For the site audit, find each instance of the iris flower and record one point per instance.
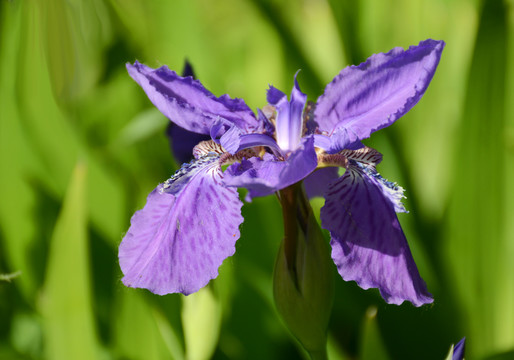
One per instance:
(459, 350)
(190, 223)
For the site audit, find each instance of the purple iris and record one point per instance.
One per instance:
(459, 350)
(190, 223)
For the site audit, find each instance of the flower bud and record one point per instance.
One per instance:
(303, 284)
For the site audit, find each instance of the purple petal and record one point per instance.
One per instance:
(187, 103)
(267, 125)
(177, 243)
(231, 140)
(183, 141)
(274, 96)
(341, 138)
(317, 182)
(392, 192)
(265, 176)
(234, 141)
(289, 125)
(322, 141)
(258, 175)
(459, 350)
(365, 98)
(187, 70)
(218, 128)
(368, 244)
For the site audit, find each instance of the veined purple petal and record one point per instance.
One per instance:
(259, 176)
(275, 96)
(177, 243)
(178, 181)
(231, 140)
(234, 141)
(317, 182)
(265, 176)
(322, 142)
(218, 128)
(390, 190)
(368, 244)
(289, 124)
(339, 140)
(365, 98)
(187, 103)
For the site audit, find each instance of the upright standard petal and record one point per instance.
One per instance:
(368, 244)
(177, 242)
(188, 104)
(365, 98)
(289, 125)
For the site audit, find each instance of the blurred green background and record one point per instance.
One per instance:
(81, 147)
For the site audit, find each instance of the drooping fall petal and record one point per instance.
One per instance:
(368, 244)
(316, 183)
(177, 242)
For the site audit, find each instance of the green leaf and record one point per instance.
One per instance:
(16, 159)
(480, 249)
(372, 346)
(52, 141)
(141, 332)
(334, 351)
(73, 33)
(66, 300)
(56, 142)
(201, 321)
(146, 124)
(27, 335)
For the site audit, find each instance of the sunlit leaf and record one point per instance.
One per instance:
(66, 300)
(17, 161)
(334, 351)
(52, 138)
(201, 320)
(479, 249)
(27, 335)
(144, 125)
(141, 333)
(372, 346)
(73, 33)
